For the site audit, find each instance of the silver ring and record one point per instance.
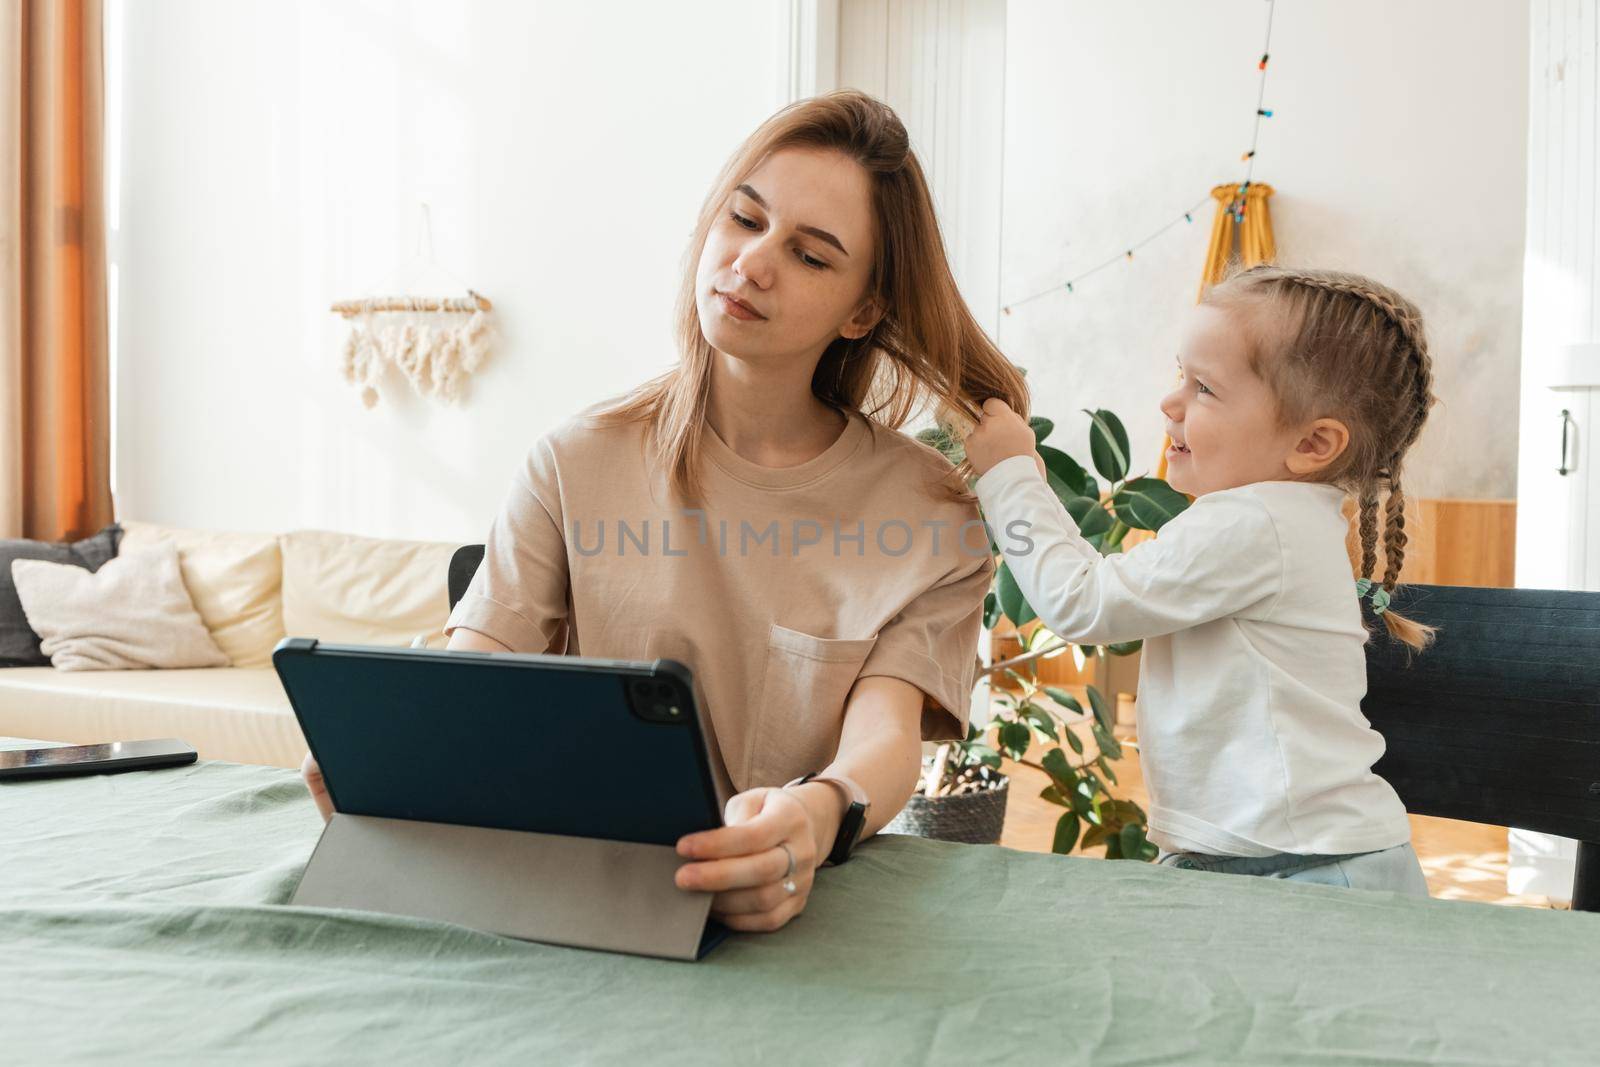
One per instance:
(788, 875)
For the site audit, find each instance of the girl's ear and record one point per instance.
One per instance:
(861, 323)
(1320, 444)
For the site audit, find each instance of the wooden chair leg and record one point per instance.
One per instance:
(1586, 879)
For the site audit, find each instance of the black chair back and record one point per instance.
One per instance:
(463, 565)
(1499, 721)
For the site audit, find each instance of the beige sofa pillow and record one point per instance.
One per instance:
(236, 581)
(364, 590)
(133, 612)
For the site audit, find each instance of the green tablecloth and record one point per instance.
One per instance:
(140, 919)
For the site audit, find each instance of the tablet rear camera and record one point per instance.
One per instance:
(655, 701)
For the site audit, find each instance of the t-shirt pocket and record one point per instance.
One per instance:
(801, 711)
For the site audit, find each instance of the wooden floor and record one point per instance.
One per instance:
(1462, 861)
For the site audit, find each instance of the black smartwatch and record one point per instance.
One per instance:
(855, 815)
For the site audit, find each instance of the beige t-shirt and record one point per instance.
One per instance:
(779, 590)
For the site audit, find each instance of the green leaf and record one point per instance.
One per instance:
(1064, 698)
(1095, 836)
(1041, 428)
(1108, 744)
(1128, 811)
(1102, 711)
(991, 611)
(1066, 469)
(1041, 719)
(1148, 852)
(1092, 519)
(1066, 834)
(1125, 648)
(1132, 840)
(1052, 795)
(1012, 602)
(1060, 771)
(949, 445)
(1108, 444)
(1148, 503)
(1091, 488)
(1074, 740)
(1114, 847)
(1014, 738)
(1040, 638)
(985, 755)
(1105, 768)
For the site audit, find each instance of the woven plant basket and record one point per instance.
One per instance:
(972, 818)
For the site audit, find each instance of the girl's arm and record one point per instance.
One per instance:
(1219, 558)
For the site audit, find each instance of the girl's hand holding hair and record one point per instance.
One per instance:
(1000, 434)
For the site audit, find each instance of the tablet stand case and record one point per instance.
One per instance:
(495, 836)
(618, 896)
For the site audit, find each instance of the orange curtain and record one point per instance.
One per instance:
(55, 478)
(1256, 246)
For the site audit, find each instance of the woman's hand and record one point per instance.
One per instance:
(744, 862)
(1000, 434)
(319, 789)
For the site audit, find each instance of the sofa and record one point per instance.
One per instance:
(251, 591)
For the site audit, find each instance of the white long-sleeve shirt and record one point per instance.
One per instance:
(1251, 735)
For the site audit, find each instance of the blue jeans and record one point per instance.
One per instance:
(1395, 869)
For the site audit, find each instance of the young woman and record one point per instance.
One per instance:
(755, 514)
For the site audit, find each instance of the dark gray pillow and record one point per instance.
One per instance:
(19, 645)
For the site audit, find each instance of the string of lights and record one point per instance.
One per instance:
(1235, 207)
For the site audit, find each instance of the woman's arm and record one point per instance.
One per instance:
(880, 750)
(465, 640)
(745, 863)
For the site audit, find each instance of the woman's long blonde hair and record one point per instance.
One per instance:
(926, 346)
(1345, 346)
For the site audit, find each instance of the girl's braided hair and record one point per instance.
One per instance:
(1342, 346)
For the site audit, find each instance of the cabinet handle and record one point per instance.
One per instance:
(1566, 424)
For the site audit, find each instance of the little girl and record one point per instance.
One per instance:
(1298, 387)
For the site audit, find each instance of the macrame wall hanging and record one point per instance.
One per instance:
(435, 343)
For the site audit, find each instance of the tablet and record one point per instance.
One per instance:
(597, 748)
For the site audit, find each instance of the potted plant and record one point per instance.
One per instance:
(962, 793)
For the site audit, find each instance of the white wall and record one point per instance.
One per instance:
(272, 160)
(941, 65)
(1398, 150)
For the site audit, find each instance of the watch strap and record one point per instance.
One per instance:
(854, 819)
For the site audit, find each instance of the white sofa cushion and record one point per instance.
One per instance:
(229, 713)
(235, 580)
(363, 590)
(132, 613)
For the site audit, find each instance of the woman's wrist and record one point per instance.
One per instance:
(825, 806)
